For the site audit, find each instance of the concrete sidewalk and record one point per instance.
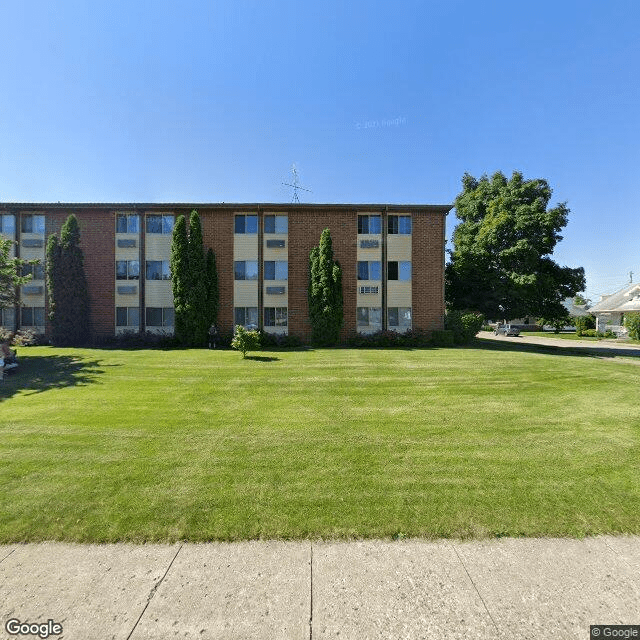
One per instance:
(509, 588)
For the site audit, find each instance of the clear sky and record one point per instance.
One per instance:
(194, 101)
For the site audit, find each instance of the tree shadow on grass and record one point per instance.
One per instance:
(596, 351)
(43, 373)
(262, 358)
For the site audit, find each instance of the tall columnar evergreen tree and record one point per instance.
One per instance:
(213, 291)
(501, 262)
(69, 307)
(325, 293)
(180, 278)
(197, 303)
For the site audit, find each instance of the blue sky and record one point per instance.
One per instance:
(374, 102)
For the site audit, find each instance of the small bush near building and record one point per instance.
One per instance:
(443, 338)
(245, 341)
(465, 326)
(632, 323)
(583, 323)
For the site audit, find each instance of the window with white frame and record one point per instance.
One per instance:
(128, 222)
(368, 290)
(399, 317)
(245, 270)
(130, 270)
(369, 270)
(32, 223)
(160, 316)
(160, 224)
(398, 270)
(275, 316)
(8, 224)
(32, 316)
(369, 317)
(399, 224)
(275, 224)
(370, 225)
(129, 317)
(246, 223)
(246, 317)
(157, 270)
(276, 270)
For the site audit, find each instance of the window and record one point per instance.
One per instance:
(32, 316)
(246, 224)
(129, 223)
(369, 271)
(156, 269)
(368, 289)
(399, 317)
(398, 270)
(369, 317)
(162, 224)
(399, 224)
(160, 316)
(275, 316)
(246, 317)
(32, 223)
(245, 269)
(8, 224)
(276, 270)
(128, 270)
(128, 317)
(275, 224)
(8, 317)
(369, 224)
(35, 270)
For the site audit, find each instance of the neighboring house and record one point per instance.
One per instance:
(392, 259)
(610, 310)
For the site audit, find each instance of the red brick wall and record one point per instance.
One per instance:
(217, 232)
(305, 228)
(97, 229)
(427, 278)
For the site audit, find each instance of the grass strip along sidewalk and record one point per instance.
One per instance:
(101, 445)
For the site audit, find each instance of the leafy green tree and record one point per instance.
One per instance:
(245, 340)
(325, 293)
(632, 322)
(197, 290)
(180, 278)
(501, 262)
(581, 301)
(213, 290)
(10, 278)
(69, 307)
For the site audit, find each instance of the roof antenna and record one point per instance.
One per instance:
(630, 277)
(295, 184)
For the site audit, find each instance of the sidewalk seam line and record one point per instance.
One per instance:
(484, 604)
(8, 554)
(311, 594)
(153, 591)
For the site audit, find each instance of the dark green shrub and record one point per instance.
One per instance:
(583, 323)
(465, 326)
(590, 333)
(279, 341)
(632, 323)
(442, 338)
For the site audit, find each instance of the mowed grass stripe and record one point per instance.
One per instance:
(200, 445)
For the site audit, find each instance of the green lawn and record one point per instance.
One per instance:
(560, 336)
(99, 445)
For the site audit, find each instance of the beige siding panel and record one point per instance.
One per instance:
(33, 300)
(157, 246)
(245, 294)
(398, 247)
(398, 294)
(156, 294)
(245, 246)
(32, 253)
(132, 299)
(129, 254)
(369, 299)
(274, 300)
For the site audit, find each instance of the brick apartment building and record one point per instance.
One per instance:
(392, 258)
